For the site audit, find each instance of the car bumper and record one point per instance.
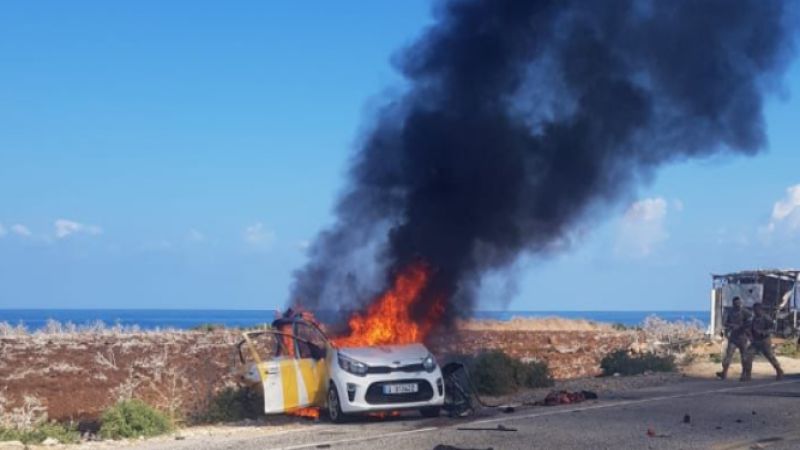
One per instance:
(364, 394)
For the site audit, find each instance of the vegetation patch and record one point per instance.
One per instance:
(233, 405)
(496, 373)
(623, 363)
(133, 418)
(64, 434)
(789, 349)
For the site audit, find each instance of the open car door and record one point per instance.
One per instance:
(295, 375)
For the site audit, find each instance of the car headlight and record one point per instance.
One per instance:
(352, 366)
(429, 364)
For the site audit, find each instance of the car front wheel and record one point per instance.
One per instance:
(334, 406)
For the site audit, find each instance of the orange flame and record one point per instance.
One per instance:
(388, 319)
(311, 413)
(288, 341)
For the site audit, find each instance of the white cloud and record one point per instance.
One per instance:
(21, 230)
(303, 245)
(3, 231)
(258, 235)
(786, 211)
(642, 227)
(66, 227)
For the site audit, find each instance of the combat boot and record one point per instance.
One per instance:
(778, 373)
(746, 374)
(723, 374)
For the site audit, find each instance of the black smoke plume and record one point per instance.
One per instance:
(521, 118)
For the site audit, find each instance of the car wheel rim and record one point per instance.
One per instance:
(333, 404)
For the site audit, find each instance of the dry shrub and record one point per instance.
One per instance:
(28, 423)
(660, 331)
(533, 324)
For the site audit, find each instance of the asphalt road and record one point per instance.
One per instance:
(723, 415)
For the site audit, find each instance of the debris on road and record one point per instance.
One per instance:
(498, 428)
(687, 418)
(566, 398)
(450, 447)
(651, 432)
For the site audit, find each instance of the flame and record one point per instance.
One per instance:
(388, 319)
(311, 413)
(288, 341)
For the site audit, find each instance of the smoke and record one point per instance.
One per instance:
(523, 118)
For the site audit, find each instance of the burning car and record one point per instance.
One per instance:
(307, 371)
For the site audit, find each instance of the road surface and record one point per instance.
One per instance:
(721, 415)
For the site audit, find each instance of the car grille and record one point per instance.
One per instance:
(376, 396)
(386, 369)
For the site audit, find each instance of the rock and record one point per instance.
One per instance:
(51, 441)
(11, 444)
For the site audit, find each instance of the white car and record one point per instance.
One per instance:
(307, 370)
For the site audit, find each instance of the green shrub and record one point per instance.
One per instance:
(64, 433)
(623, 363)
(133, 418)
(619, 326)
(232, 405)
(495, 373)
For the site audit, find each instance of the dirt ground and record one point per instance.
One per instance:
(75, 376)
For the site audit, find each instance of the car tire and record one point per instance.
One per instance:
(430, 411)
(334, 405)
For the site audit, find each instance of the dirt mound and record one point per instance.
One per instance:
(76, 375)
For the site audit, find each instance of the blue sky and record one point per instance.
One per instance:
(182, 155)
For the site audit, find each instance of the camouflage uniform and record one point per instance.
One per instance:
(737, 326)
(761, 329)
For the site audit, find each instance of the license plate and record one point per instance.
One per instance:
(405, 388)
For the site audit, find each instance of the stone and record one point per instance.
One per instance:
(51, 441)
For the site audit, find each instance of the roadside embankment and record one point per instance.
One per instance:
(75, 374)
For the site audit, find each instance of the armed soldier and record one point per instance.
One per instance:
(760, 330)
(737, 329)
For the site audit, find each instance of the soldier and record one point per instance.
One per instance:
(761, 329)
(737, 327)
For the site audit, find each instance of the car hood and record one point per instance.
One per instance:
(387, 355)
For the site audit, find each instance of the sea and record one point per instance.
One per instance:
(150, 319)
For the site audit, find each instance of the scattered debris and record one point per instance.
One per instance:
(687, 418)
(566, 398)
(738, 420)
(652, 433)
(450, 447)
(498, 428)
(754, 413)
(509, 409)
